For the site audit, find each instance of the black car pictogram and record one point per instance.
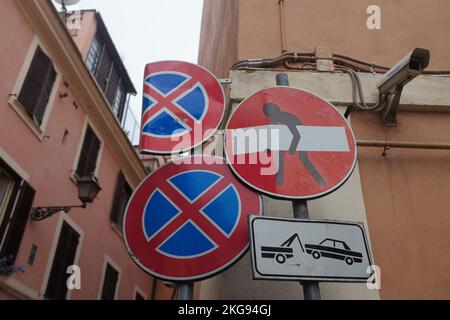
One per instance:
(334, 249)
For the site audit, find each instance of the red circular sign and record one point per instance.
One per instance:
(289, 143)
(183, 105)
(189, 220)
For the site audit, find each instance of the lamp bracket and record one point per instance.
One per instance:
(42, 213)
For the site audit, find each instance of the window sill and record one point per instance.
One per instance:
(20, 110)
(18, 289)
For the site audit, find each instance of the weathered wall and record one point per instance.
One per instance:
(341, 25)
(218, 41)
(406, 195)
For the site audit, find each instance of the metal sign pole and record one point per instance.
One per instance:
(185, 291)
(311, 290)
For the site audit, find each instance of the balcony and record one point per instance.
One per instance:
(131, 125)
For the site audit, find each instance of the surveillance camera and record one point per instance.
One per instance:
(406, 70)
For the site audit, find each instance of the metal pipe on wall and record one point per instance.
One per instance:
(403, 145)
(282, 26)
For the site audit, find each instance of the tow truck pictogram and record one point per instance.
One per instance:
(282, 253)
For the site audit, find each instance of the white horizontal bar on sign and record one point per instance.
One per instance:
(279, 138)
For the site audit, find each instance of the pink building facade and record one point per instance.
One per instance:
(63, 94)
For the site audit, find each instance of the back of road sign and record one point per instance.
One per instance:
(289, 143)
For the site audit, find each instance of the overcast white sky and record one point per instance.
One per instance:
(150, 30)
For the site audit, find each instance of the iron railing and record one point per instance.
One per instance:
(131, 124)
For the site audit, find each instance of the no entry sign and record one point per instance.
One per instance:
(289, 143)
(189, 220)
(183, 105)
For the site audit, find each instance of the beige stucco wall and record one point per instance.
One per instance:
(341, 26)
(406, 196)
(402, 197)
(218, 41)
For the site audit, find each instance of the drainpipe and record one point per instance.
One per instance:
(282, 26)
(403, 145)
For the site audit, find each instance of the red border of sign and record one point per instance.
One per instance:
(138, 238)
(165, 145)
(281, 196)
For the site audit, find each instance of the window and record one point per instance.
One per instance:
(327, 242)
(121, 196)
(339, 245)
(95, 53)
(37, 87)
(107, 72)
(64, 257)
(6, 188)
(104, 70)
(113, 86)
(119, 102)
(87, 162)
(16, 200)
(110, 283)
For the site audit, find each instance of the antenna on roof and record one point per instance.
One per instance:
(64, 4)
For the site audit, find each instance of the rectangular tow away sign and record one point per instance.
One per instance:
(319, 250)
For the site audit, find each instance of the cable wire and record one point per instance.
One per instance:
(338, 59)
(357, 91)
(343, 63)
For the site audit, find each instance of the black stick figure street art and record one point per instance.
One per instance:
(277, 116)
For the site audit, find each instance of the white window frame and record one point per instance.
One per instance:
(20, 172)
(113, 264)
(6, 198)
(62, 218)
(14, 165)
(140, 291)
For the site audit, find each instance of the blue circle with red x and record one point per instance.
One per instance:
(189, 221)
(183, 104)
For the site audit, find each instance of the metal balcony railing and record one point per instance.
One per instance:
(131, 125)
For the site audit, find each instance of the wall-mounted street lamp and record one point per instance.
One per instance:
(88, 188)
